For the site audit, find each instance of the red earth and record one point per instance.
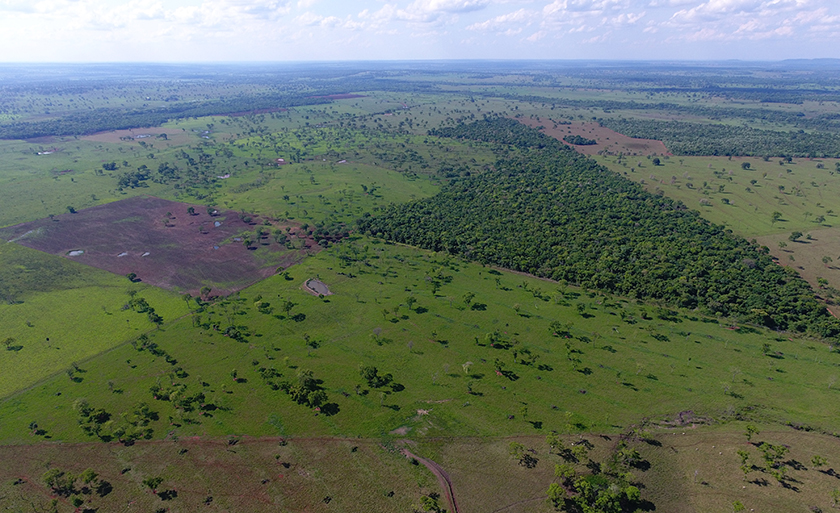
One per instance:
(164, 245)
(607, 140)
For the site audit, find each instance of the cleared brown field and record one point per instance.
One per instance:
(607, 139)
(164, 245)
(174, 136)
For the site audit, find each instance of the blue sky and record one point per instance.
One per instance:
(304, 30)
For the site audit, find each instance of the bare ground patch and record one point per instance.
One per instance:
(165, 245)
(607, 140)
(153, 135)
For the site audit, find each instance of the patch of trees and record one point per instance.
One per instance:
(128, 427)
(306, 390)
(140, 305)
(134, 178)
(683, 138)
(75, 487)
(553, 213)
(579, 141)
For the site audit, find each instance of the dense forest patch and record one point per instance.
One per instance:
(547, 211)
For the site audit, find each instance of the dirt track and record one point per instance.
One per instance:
(442, 476)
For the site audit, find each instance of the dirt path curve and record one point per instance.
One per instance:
(442, 476)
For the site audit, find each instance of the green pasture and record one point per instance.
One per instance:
(59, 312)
(622, 361)
(317, 191)
(806, 196)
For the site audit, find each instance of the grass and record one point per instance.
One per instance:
(71, 313)
(699, 470)
(622, 362)
(318, 191)
(807, 192)
(253, 475)
(610, 374)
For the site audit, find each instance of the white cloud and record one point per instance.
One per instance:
(536, 36)
(713, 10)
(426, 11)
(670, 3)
(584, 6)
(504, 21)
(278, 29)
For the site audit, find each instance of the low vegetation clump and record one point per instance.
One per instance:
(579, 141)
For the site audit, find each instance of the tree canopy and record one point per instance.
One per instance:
(546, 210)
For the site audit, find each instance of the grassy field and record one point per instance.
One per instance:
(744, 200)
(477, 357)
(216, 475)
(66, 312)
(609, 372)
(320, 191)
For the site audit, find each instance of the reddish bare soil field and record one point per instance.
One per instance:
(183, 252)
(346, 96)
(608, 140)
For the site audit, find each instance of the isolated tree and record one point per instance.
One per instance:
(191, 211)
(745, 165)
(776, 217)
(8, 343)
(794, 236)
(152, 483)
(71, 209)
(132, 277)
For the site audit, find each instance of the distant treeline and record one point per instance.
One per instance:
(683, 138)
(100, 120)
(551, 212)
(797, 120)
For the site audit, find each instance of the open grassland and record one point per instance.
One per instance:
(690, 468)
(611, 363)
(743, 200)
(699, 470)
(321, 191)
(238, 474)
(58, 312)
(815, 258)
(468, 359)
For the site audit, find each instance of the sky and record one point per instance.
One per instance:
(336, 30)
